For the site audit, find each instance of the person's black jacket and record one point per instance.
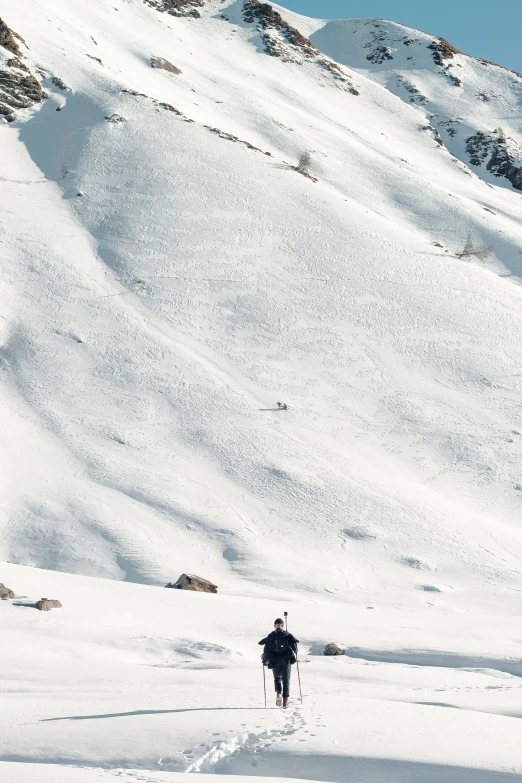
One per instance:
(270, 655)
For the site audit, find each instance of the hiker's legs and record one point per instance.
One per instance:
(285, 676)
(278, 680)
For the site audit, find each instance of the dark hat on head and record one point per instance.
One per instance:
(278, 621)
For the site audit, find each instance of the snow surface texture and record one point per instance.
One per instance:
(150, 325)
(130, 677)
(167, 277)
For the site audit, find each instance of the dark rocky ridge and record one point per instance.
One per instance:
(7, 39)
(255, 11)
(442, 50)
(284, 41)
(18, 87)
(177, 7)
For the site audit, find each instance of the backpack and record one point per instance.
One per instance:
(281, 646)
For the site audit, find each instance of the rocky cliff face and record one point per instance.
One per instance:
(19, 89)
(178, 7)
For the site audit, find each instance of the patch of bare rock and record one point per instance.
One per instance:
(160, 62)
(7, 39)
(231, 137)
(115, 118)
(284, 41)
(498, 150)
(59, 83)
(442, 50)
(194, 583)
(5, 593)
(19, 89)
(46, 604)
(166, 106)
(178, 7)
(333, 649)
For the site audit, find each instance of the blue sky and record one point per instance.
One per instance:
(482, 28)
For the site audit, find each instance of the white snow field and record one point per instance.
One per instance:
(167, 278)
(141, 678)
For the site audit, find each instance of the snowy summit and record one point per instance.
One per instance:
(260, 325)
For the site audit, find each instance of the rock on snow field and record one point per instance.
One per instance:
(167, 277)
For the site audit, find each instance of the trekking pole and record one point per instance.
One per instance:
(297, 662)
(299, 680)
(264, 681)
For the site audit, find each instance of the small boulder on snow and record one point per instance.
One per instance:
(417, 563)
(195, 583)
(5, 592)
(160, 62)
(333, 649)
(46, 604)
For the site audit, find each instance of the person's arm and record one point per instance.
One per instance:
(264, 656)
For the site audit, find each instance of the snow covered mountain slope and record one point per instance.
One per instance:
(473, 106)
(168, 276)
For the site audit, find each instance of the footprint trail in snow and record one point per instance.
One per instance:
(248, 745)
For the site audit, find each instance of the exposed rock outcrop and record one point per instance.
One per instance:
(416, 95)
(18, 90)
(5, 593)
(7, 39)
(178, 7)
(195, 583)
(115, 118)
(160, 62)
(495, 148)
(442, 50)
(46, 604)
(380, 51)
(333, 649)
(379, 55)
(270, 19)
(59, 83)
(231, 137)
(284, 41)
(18, 87)
(436, 135)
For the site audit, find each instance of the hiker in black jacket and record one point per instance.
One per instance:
(279, 654)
